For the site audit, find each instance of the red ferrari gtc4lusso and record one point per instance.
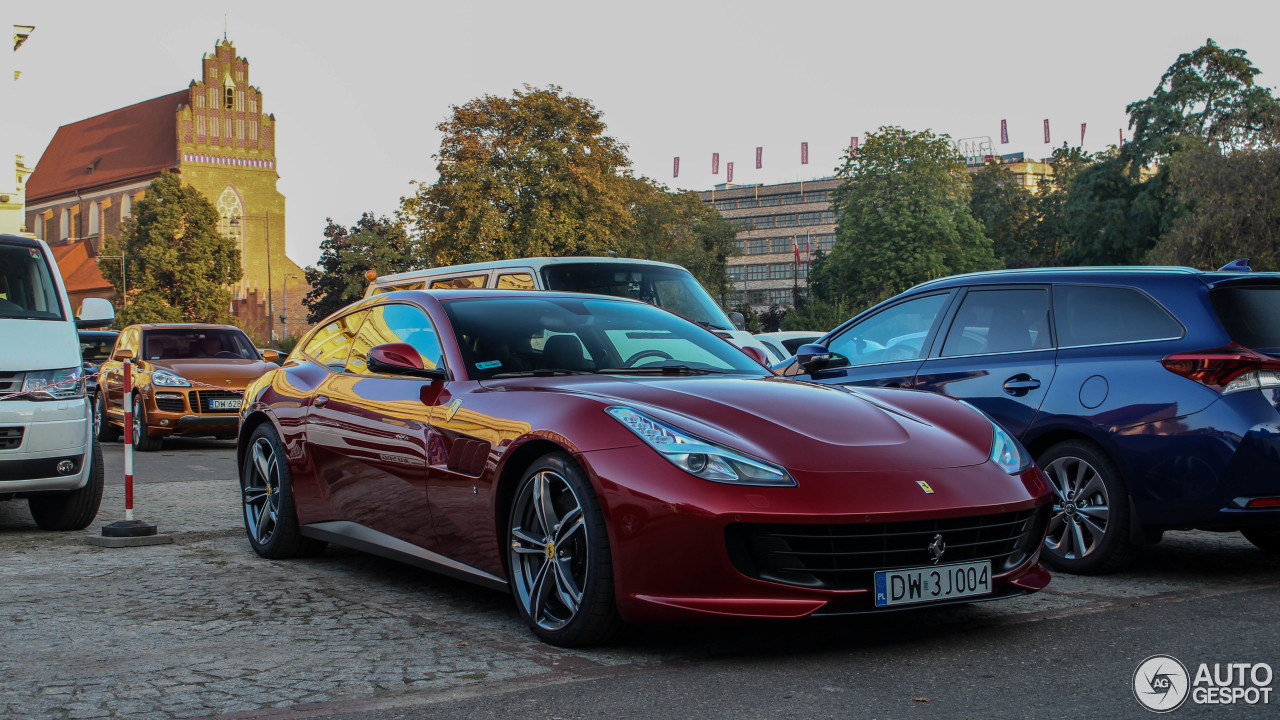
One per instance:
(606, 461)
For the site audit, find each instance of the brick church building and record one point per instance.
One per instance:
(215, 135)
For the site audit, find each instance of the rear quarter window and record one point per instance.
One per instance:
(1251, 315)
(1101, 315)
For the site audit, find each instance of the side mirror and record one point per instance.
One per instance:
(739, 322)
(122, 354)
(815, 358)
(270, 355)
(401, 359)
(95, 313)
(756, 354)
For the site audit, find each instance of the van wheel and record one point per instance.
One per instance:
(74, 509)
(102, 427)
(1267, 539)
(1089, 528)
(141, 440)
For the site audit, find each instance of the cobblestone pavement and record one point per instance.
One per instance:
(205, 627)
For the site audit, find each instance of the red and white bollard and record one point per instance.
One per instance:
(128, 528)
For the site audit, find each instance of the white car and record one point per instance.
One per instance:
(48, 454)
(782, 345)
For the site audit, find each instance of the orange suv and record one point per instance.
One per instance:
(188, 379)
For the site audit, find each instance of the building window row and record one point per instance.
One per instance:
(770, 222)
(768, 271)
(763, 246)
(69, 217)
(795, 198)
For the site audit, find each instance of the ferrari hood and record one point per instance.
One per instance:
(803, 426)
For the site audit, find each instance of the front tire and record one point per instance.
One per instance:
(73, 509)
(1089, 527)
(141, 440)
(561, 571)
(103, 430)
(266, 491)
(1265, 539)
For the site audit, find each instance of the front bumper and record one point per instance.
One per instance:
(671, 535)
(185, 411)
(46, 445)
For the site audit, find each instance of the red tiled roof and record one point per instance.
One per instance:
(133, 142)
(79, 271)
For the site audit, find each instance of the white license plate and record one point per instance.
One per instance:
(224, 404)
(930, 584)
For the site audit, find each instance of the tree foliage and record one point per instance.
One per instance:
(1232, 209)
(535, 175)
(903, 216)
(346, 254)
(1209, 94)
(178, 266)
(529, 175)
(1006, 210)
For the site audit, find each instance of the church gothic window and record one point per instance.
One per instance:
(95, 218)
(229, 95)
(126, 206)
(231, 217)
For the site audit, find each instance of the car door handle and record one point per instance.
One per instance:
(320, 400)
(1020, 384)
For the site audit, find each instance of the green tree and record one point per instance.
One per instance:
(826, 305)
(346, 254)
(1052, 234)
(179, 267)
(1209, 94)
(1232, 208)
(680, 228)
(903, 216)
(1113, 218)
(530, 175)
(1006, 211)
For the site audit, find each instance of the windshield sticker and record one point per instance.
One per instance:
(35, 254)
(487, 364)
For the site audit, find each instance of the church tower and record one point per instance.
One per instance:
(226, 146)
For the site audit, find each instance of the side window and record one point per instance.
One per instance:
(893, 334)
(395, 323)
(459, 283)
(332, 343)
(1096, 315)
(515, 281)
(133, 340)
(998, 321)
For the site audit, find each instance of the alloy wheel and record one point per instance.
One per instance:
(137, 421)
(549, 550)
(1081, 508)
(262, 492)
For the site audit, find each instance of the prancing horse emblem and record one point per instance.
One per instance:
(936, 548)
(925, 487)
(453, 409)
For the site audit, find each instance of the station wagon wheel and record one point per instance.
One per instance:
(270, 517)
(1089, 528)
(561, 572)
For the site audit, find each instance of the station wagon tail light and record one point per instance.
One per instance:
(700, 457)
(1228, 369)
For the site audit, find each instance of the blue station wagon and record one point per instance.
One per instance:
(1150, 396)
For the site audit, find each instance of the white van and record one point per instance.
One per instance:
(657, 283)
(48, 454)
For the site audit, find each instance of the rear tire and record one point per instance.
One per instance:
(1265, 539)
(73, 509)
(1089, 528)
(103, 429)
(141, 440)
(561, 569)
(266, 492)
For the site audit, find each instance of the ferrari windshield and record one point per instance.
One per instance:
(539, 335)
(669, 287)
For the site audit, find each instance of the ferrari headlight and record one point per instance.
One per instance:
(58, 384)
(700, 457)
(164, 378)
(1005, 450)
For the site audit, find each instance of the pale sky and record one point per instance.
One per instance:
(358, 88)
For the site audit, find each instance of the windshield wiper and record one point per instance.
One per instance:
(661, 370)
(541, 372)
(710, 326)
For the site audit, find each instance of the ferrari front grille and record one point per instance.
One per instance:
(846, 557)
